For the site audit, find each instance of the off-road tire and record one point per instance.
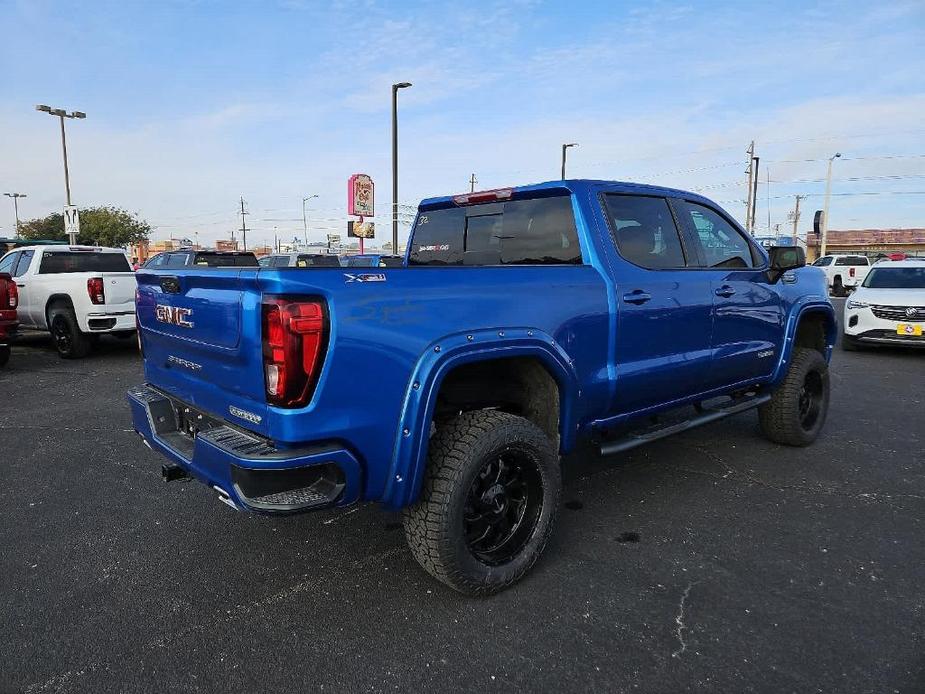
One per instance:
(782, 419)
(70, 342)
(4, 355)
(458, 453)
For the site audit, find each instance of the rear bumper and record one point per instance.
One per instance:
(103, 322)
(248, 472)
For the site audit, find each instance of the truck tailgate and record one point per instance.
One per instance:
(194, 345)
(120, 288)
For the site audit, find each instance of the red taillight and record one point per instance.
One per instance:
(294, 334)
(12, 294)
(96, 291)
(484, 196)
(850, 272)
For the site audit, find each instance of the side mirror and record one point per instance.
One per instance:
(784, 258)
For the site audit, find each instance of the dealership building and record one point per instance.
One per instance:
(870, 242)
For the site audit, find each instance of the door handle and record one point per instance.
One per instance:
(725, 290)
(637, 297)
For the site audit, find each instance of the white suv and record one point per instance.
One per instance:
(888, 308)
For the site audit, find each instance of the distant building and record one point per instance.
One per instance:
(868, 242)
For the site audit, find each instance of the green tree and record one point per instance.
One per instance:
(99, 226)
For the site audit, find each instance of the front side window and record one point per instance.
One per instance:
(645, 232)
(721, 245)
(176, 260)
(823, 261)
(537, 231)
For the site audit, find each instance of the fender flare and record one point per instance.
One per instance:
(805, 305)
(409, 456)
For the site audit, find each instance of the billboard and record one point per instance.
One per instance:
(361, 230)
(360, 196)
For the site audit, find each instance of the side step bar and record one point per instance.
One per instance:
(705, 416)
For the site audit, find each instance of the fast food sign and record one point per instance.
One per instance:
(360, 196)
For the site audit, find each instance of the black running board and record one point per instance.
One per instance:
(704, 417)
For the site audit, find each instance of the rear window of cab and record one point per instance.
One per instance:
(537, 231)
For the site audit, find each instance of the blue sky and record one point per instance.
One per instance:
(192, 104)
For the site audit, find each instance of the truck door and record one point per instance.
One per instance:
(747, 310)
(662, 345)
(27, 290)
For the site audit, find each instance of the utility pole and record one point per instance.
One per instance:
(243, 225)
(768, 177)
(755, 161)
(825, 207)
(62, 114)
(305, 219)
(750, 153)
(796, 215)
(15, 197)
(472, 181)
(395, 88)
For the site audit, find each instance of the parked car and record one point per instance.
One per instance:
(300, 260)
(192, 258)
(843, 272)
(527, 319)
(889, 308)
(373, 260)
(9, 298)
(75, 292)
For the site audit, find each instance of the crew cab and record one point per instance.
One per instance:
(190, 257)
(74, 292)
(9, 298)
(843, 272)
(888, 308)
(523, 321)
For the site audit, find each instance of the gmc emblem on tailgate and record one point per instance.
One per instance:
(173, 315)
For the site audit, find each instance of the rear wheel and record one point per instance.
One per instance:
(70, 342)
(4, 354)
(838, 288)
(488, 503)
(797, 410)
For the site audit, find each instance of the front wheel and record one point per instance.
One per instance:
(799, 406)
(488, 503)
(70, 342)
(4, 355)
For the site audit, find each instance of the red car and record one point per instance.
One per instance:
(9, 297)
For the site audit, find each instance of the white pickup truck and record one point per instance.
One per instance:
(74, 292)
(844, 272)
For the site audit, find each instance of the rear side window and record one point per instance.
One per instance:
(721, 244)
(539, 231)
(318, 261)
(177, 260)
(644, 231)
(852, 260)
(83, 261)
(227, 260)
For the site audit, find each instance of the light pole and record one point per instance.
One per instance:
(825, 206)
(395, 88)
(305, 219)
(62, 114)
(564, 148)
(15, 197)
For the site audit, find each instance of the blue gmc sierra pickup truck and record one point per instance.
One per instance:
(522, 321)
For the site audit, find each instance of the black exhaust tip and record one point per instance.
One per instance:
(172, 473)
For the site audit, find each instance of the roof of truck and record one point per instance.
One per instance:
(573, 185)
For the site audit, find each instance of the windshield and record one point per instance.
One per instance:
(896, 278)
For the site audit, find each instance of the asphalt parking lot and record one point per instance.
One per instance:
(711, 561)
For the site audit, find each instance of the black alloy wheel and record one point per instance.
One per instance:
(502, 507)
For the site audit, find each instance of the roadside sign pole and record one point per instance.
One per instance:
(361, 238)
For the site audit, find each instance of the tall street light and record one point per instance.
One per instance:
(395, 88)
(305, 219)
(564, 148)
(825, 207)
(62, 114)
(15, 197)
